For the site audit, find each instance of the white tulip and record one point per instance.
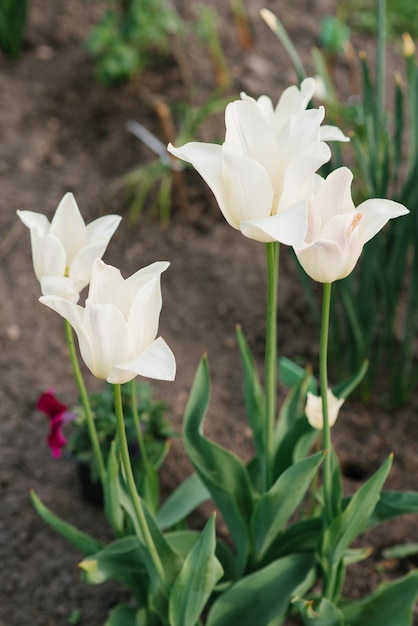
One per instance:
(294, 100)
(117, 328)
(266, 163)
(64, 250)
(335, 231)
(314, 413)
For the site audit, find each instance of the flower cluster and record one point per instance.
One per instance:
(118, 325)
(264, 177)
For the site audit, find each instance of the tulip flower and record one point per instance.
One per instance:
(328, 241)
(293, 100)
(59, 416)
(64, 250)
(266, 163)
(313, 409)
(116, 329)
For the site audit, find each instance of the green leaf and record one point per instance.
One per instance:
(171, 560)
(253, 394)
(293, 434)
(344, 389)
(149, 486)
(262, 596)
(302, 536)
(344, 528)
(123, 615)
(391, 604)
(276, 506)
(320, 613)
(80, 540)
(114, 512)
(391, 504)
(336, 484)
(120, 558)
(223, 473)
(291, 374)
(185, 499)
(400, 551)
(193, 586)
(183, 542)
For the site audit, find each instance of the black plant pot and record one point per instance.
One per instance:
(91, 491)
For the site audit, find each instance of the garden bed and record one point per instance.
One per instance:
(61, 131)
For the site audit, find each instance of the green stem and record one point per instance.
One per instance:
(130, 481)
(137, 424)
(323, 378)
(85, 402)
(272, 251)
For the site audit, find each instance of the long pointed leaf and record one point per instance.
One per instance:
(193, 586)
(276, 506)
(80, 540)
(253, 394)
(391, 604)
(185, 499)
(224, 474)
(262, 596)
(344, 528)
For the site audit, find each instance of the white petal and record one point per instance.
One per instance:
(74, 314)
(250, 192)
(137, 280)
(69, 227)
(249, 135)
(324, 261)
(36, 221)
(265, 106)
(332, 133)
(82, 265)
(109, 337)
(314, 413)
(375, 214)
(298, 181)
(48, 254)
(107, 286)
(288, 227)
(60, 286)
(144, 315)
(294, 100)
(103, 228)
(157, 361)
(207, 160)
(301, 131)
(334, 196)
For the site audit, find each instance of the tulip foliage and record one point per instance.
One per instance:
(290, 525)
(376, 321)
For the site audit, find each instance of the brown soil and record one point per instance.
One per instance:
(61, 131)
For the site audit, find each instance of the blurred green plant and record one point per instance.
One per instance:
(146, 426)
(206, 27)
(361, 15)
(370, 318)
(13, 16)
(162, 178)
(130, 36)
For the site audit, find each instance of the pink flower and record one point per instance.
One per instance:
(59, 416)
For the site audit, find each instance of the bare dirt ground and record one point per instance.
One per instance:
(61, 131)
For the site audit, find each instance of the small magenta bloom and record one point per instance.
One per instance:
(59, 415)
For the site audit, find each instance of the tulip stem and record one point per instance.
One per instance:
(323, 378)
(85, 402)
(145, 537)
(272, 250)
